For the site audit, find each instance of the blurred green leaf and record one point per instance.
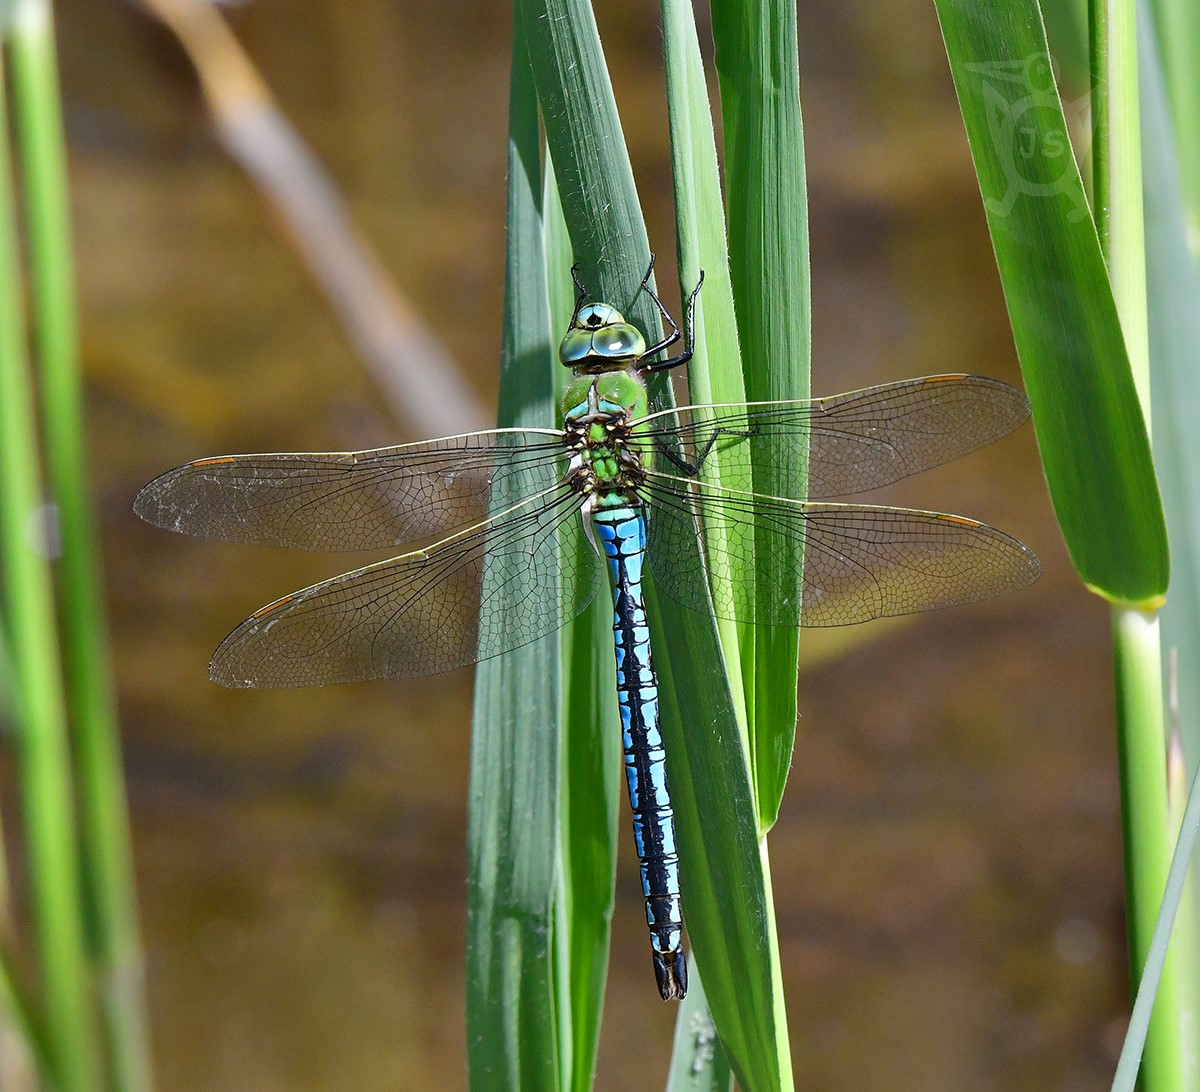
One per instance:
(105, 850)
(1173, 292)
(49, 845)
(1173, 298)
(1178, 25)
(19, 1013)
(7, 713)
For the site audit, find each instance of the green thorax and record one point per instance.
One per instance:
(604, 398)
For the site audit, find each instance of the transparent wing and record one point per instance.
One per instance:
(856, 441)
(428, 611)
(860, 561)
(359, 500)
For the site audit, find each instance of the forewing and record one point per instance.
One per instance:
(424, 612)
(358, 500)
(860, 561)
(855, 442)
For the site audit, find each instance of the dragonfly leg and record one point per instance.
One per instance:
(673, 336)
(581, 293)
(693, 467)
(689, 321)
(646, 278)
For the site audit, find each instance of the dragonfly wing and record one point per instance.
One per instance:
(860, 561)
(358, 500)
(428, 611)
(855, 442)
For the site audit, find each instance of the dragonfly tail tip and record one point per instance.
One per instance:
(670, 968)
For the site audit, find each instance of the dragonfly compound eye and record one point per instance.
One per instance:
(595, 315)
(618, 342)
(601, 338)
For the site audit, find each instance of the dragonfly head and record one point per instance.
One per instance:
(601, 340)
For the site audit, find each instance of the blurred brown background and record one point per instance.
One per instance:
(947, 864)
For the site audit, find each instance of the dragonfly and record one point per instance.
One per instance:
(543, 517)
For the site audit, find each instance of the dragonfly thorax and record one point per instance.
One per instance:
(598, 411)
(600, 339)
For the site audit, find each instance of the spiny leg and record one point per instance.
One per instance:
(693, 468)
(689, 322)
(582, 293)
(673, 336)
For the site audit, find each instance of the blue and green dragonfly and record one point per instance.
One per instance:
(531, 510)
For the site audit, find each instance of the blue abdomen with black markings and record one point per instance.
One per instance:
(621, 531)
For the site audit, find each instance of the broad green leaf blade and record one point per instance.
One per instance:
(1085, 409)
(758, 67)
(725, 901)
(513, 1003)
(592, 782)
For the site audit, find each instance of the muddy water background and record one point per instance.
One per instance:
(947, 860)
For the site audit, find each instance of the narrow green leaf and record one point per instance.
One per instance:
(723, 884)
(1173, 296)
(1067, 32)
(1173, 292)
(715, 375)
(715, 370)
(1089, 424)
(1117, 176)
(513, 1002)
(1146, 820)
(592, 781)
(698, 1062)
(727, 907)
(758, 67)
(7, 714)
(590, 810)
(1178, 25)
(1125, 1078)
(1142, 747)
(106, 851)
(21, 1015)
(43, 754)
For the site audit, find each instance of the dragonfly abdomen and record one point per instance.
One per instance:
(622, 534)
